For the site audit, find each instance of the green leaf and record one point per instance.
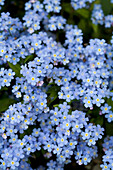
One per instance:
(82, 25)
(56, 105)
(43, 151)
(22, 135)
(28, 58)
(92, 120)
(53, 89)
(83, 12)
(109, 129)
(50, 89)
(52, 100)
(4, 103)
(106, 6)
(99, 120)
(3, 89)
(110, 103)
(89, 112)
(51, 84)
(66, 7)
(95, 28)
(28, 161)
(16, 68)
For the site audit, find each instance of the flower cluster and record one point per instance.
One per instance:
(106, 110)
(59, 133)
(108, 157)
(98, 17)
(77, 4)
(57, 84)
(10, 45)
(5, 77)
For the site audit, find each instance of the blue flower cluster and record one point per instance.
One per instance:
(108, 157)
(97, 14)
(77, 4)
(48, 5)
(9, 34)
(37, 13)
(52, 6)
(53, 78)
(106, 110)
(5, 77)
(59, 133)
(99, 18)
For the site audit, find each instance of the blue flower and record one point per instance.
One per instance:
(106, 108)
(3, 164)
(86, 134)
(14, 163)
(109, 116)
